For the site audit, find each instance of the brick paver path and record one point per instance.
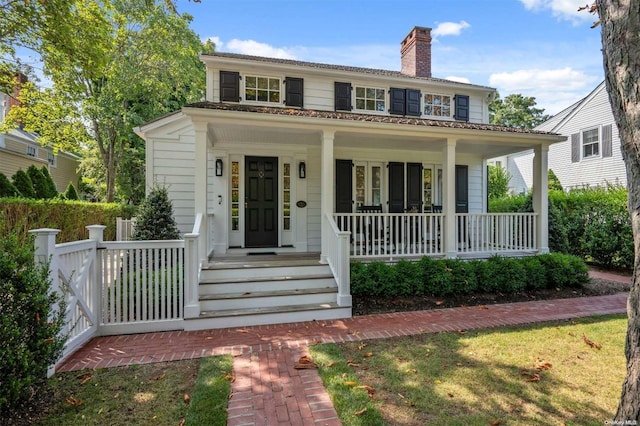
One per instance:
(269, 391)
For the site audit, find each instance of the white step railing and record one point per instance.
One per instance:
(338, 259)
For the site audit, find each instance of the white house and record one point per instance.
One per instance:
(590, 156)
(336, 163)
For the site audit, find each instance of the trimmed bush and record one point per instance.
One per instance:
(445, 277)
(39, 182)
(71, 193)
(154, 220)
(30, 326)
(51, 190)
(22, 182)
(7, 189)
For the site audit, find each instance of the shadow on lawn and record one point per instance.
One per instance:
(544, 375)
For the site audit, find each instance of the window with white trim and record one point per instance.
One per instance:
(370, 99)
(590, 143)
(437, 105)
(32, 151)
(368, 183)
(51, 158)
(262, 89)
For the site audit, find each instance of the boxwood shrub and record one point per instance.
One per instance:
(445, 277)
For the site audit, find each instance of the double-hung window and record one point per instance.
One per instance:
(32, 151)
(262, 89)
(590, 143)
(437, 105)
(370, 99)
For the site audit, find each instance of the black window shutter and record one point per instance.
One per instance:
(462, 107)
(342, 93)
(575, 147)
(344, 186)
(396, 187)
(607, 148)
(397, 99)
(294, 92)
(414, 186)
(413, 103)
(229, 86)
(462, 189)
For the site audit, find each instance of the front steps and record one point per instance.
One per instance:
(260, 290)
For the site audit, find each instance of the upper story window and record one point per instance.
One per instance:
(262, 89)
(437, 105)
(32, 151)
(51, 158)
(370, 99)
(590, 143)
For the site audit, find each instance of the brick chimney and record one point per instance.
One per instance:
(415, 51)
(17, 88)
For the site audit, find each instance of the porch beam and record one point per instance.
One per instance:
(540, 196)
(200, 186)
(326, 188)
(449, 197)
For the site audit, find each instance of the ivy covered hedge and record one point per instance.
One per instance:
(71, 217)
(592, 223)
(444, 277)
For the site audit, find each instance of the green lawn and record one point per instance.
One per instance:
(193, 392)
(544, 374)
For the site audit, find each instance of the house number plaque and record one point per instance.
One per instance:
(301, 204)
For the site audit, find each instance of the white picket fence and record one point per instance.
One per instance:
(125, 228)
(121, 287)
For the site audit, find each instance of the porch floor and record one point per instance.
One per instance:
(265, 355)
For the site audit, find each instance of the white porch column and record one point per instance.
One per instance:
(326, 187)
(540, 196)
(449, 197)
(200, 187)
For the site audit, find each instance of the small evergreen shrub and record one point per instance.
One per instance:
(39, 182)
(7, 189)
(435, 279)
(408, 280)
(51, 189)
(536, 276)
(30, 326)
(71, 193)
(502, 275)
(154, 220)
(461, 275)
(22, 182)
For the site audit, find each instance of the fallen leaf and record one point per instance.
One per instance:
(360, 412)
(437, 382)
(368, 355)
(482, 307)
(74, 402)
(362, 346)
(543, 365)
(450, 395)
(350, 384)
(230, 377)
(305, 362)
(439, 302)
(243, 331)
(412, 370)
(85, 380)
(182, 420)
(160, 377)
(495, 422)
(350, 363)
(458, 364)
(186, 398)
(590, 343)
(530, 376)
(572, 334)
(331, 364)
(354, 333)
(460, 331)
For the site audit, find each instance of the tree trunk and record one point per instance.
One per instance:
(620, 22)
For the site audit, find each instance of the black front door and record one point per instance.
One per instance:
(261, 202)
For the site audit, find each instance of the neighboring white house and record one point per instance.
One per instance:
(278, 144)
(590, 156)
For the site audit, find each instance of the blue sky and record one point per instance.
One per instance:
(540, 48)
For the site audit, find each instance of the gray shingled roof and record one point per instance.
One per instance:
(360, 70)
(338, 115)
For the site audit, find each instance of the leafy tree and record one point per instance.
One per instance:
(71, 193)
(516, 111)
(499, 178)
(123, 64)
(620, 33)
(22, 182)
(7, 189)
(154, 220)
(553, 181)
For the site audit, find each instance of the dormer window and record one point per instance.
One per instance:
(32, 151)
(370, 99)
(437, 105)
(262, 89)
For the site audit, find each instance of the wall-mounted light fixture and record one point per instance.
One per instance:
(302, 170)
(219, 167)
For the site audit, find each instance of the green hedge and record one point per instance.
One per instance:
(592, 223)
(71, 217)
(445, 277)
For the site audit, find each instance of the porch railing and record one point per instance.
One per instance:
(393, 234)
(496, 232)
(396, 235)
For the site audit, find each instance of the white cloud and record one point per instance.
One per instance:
(252, 47)
(458, 79)
(561, 9)
(449, 28)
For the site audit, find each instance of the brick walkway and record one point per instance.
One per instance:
(269, 391)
